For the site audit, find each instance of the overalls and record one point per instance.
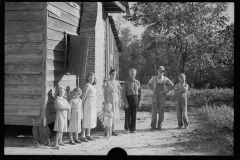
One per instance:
(158, 103)
(182, 109)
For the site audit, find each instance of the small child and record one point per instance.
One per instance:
(62, 106)
(180, 92)
(75, 116)
(108, 120)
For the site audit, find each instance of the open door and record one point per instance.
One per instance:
(77, 52)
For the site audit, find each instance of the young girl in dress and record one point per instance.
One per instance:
(89, 99)
(62, 106)
(108, 120)
(180, 92)
(75, 116)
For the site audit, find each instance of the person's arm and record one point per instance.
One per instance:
(119, 94)
(176, 90)
(60, 104)
(185, 88)
(84, 95)
(170, 87)
(150, 84)
(70, 110)
(124, 93)
(139, 94)
(81, 108)
(105, 92)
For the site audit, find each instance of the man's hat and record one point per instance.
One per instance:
(161, 68)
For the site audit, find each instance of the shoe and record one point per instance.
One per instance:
(61, 144)
(77, 141)
(153, 128)
(114, 134)
(72, 142)
(89, 138)
(179, 127)
(133, 132)
(185, 127)
(84, 139)
(159, 128)
(127, 131)
(56, 146)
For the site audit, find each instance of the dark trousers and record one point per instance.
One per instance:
(131, 113)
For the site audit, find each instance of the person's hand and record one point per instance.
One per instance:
(139, 105)
(126, 106)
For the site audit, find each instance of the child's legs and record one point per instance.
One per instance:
(60, 138)
(179, 112)
(88, 131)
(162, 101)
(107, 131)
(110, 130)
(76, 135)
(57, 138)
(83, 132)
(70, 135)
(184, 111)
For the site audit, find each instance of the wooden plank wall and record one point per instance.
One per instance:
(23, 62)
(62, 17)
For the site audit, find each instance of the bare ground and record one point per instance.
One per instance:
(199, 139)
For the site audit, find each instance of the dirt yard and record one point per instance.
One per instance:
(199, 139)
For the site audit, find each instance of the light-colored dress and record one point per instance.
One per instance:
(90, 107)
(112, 89)
(61, 104)
(75, 115)
(108, 119)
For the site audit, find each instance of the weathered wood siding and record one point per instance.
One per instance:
(62, 17)
(24, 23)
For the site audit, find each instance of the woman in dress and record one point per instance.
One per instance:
(89, 107)
(112, 95)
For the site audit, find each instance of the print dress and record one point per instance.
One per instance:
(112, 90)
(90, 108)
(75, 115)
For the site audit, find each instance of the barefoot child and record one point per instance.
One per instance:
(62, 106)
(108, 120)
(180, 92)
(75, 116)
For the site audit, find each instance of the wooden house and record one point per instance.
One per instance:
(48, 44)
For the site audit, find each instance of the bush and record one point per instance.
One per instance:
(211, 96)
(220, 116)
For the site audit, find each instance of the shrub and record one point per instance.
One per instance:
(211, 96)
(220, 116)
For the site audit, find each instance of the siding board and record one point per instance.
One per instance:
(19, 120)
(61, 26)
(21, 110)
(57, 76)
(23, 15)
(55, 55)
(22, 79)
(55, 35)
(22, 99)
(23, 89)
(23, 66)
(19, 36)
(55, 45)
(65, 17)
(67, 8)
(55, 65)
(23, 26)
(23, 6)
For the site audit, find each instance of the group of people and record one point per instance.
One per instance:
(82, 113)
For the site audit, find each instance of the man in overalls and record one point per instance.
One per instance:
(158, 86)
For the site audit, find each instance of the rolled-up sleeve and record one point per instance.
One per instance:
(124, 93)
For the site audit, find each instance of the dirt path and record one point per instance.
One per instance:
(198, 139)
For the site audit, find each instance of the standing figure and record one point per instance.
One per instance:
(62, 106)
(131, 94)
(180, 92)
(111, 93)
(75, 116)
(158, 86)
(89, 98)
(108, 120)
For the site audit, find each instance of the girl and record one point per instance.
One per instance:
(62, 106)
(75, 115)
(108, 120)
(180, 92)
(89, 98)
